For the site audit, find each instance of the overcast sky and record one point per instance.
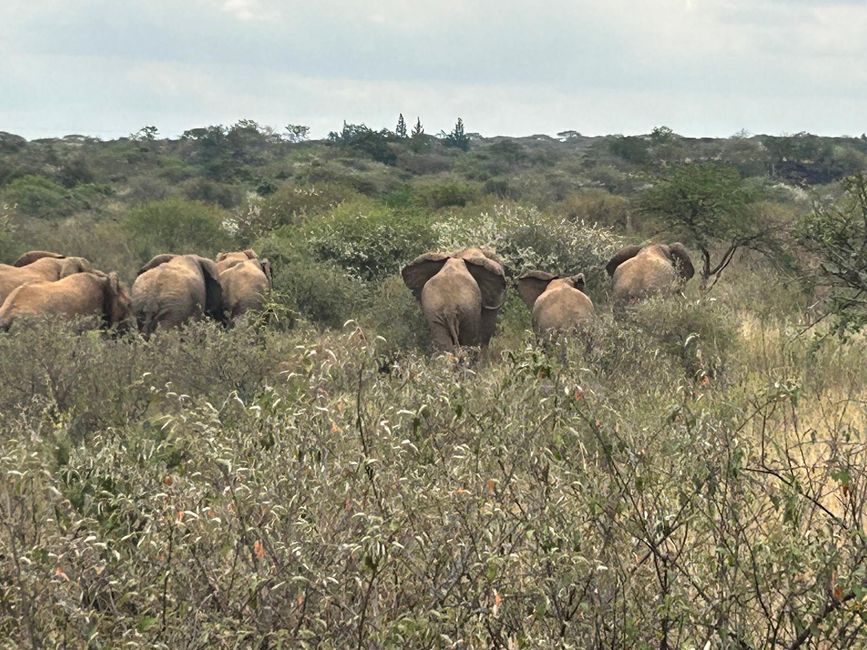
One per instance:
(508, 67)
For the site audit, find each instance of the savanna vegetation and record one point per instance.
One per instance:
(690, 473)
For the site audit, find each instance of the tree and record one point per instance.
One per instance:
(363, 140)
(458, 137)
(400, 129)
(837, 236)
(418, 129)
(145, 134)
(296, 133)
(708, 204)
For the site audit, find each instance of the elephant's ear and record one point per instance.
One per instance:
(578, 281)
(680, 258)
(265, 265)
(620, 257)
(491, 279)
(532, 284)
(31, 256)
(223, 255)
(421, 269)
(156, 261)
(213, 289)
(251, 254)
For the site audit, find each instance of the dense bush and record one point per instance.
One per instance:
(247, 488)
(177, 226)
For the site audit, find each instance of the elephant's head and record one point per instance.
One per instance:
(486, 271)
(227, 260)
(533, 284)
(117, 305)
(213, 290)
(675, 253)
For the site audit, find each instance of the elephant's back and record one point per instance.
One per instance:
(244, 287)
(642, 276)
(561, 308)
(168, 294)
(75, 295)
(453, 285)
(12, 277)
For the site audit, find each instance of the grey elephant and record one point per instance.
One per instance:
(172, 289)
(656, 269)
(460, 294)
(558, 303)
(35, 266)
(90, 293)
(245, 280)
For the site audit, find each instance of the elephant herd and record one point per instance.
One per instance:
(460, 293)
(168, 291)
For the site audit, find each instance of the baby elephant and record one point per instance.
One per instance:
(91, 293)
(558, 303)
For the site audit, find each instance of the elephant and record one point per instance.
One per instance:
(245, 280)
(172, 289)
(36, 266)
(460, 295)
(90, 293)
(558, 303)
(641, 271)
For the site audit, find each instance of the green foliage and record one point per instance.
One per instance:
(837, 235)
(457, 138)
(38, 196)
(442, 192)
(706, 203)
(364, 141)
(631, 148)
(177, 226)
(368, 239)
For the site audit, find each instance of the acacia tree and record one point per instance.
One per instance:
(837, 236)
(708, 204)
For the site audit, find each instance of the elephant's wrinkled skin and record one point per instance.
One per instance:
(245, 280)
(460, 294)
(91, 293)
(657, 269)
(172, 289)
(37, 266)
(558, 303)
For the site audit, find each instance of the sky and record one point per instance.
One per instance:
(106, 68)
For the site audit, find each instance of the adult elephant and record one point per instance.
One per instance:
(460, 294)
(558, 303)
(641, 271)
(245, 280)
(90, 293)
(36, 266)
(172, 289)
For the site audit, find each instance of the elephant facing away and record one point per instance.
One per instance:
(641, 271)
(91, 293)
(36, 266)
(245, 280)
(460, 295)
(172, 289)
(558, 303)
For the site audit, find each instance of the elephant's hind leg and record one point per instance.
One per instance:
(444, 334)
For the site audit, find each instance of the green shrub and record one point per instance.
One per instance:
(367, 239)
(38, 196)
(443, 192)
(177, 226)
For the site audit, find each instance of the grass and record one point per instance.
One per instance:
(691, 475)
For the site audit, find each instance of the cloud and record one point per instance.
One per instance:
(706, 66)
